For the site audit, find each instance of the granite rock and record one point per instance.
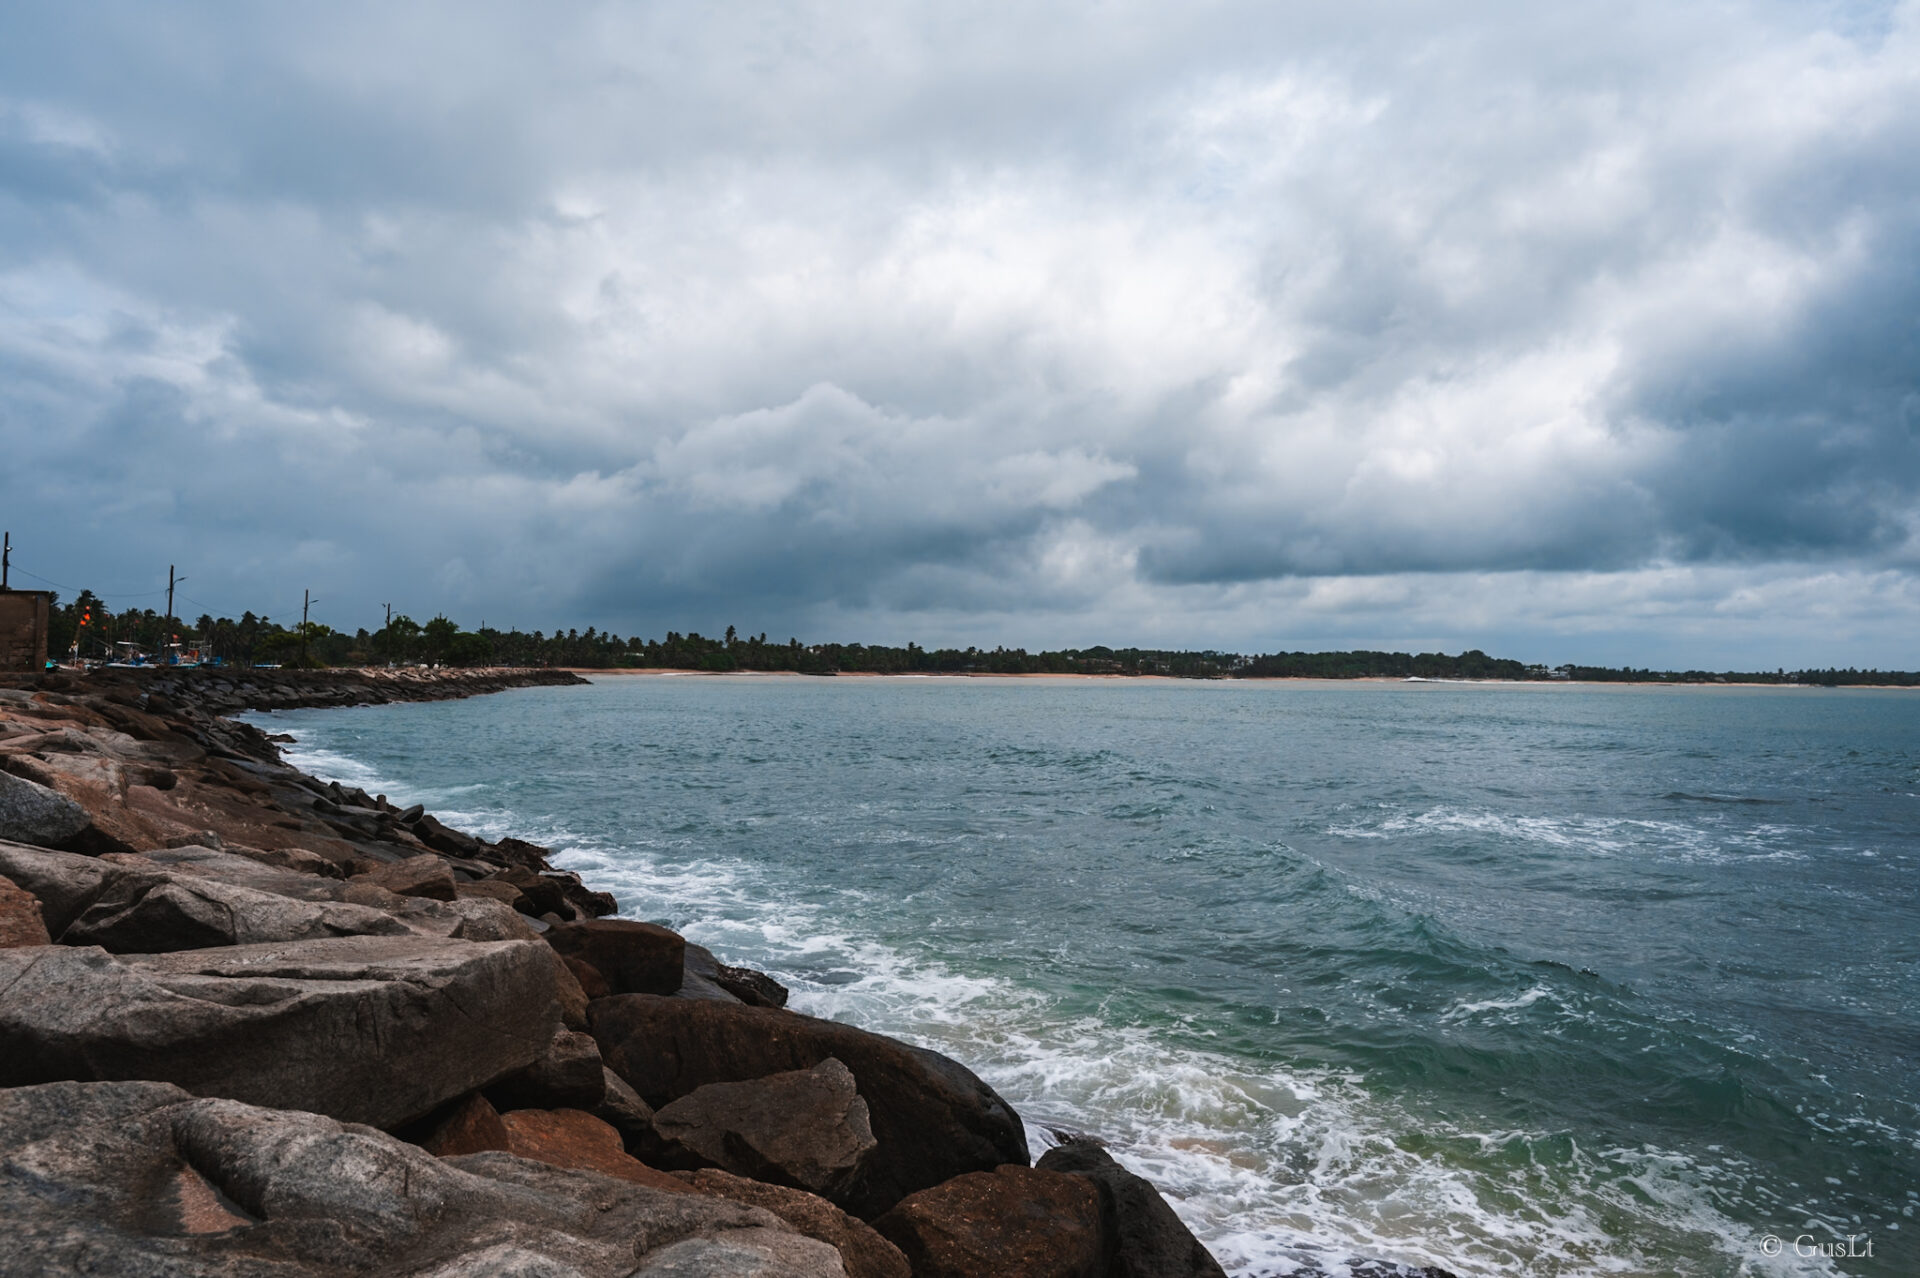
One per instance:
(366, 1029)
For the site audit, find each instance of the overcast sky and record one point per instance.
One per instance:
(1567, 331)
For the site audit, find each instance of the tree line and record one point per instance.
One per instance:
(98, 633)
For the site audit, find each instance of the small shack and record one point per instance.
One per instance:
(23, 629)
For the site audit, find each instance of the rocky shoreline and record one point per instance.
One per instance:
(254, 1023)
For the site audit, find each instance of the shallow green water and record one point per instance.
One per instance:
(1541, 980)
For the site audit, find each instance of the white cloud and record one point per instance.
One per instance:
(1479, 322)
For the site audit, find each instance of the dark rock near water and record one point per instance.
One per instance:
(932, 1117)
(704, 976)
(755, 989)
(1015, 1222)
(633, 958)
(807, 1129)
(367, 1029)
(700, 977)
(33, 813)
(1143, 1235)
(132, 1180)
(544, 893)
(864, 1252)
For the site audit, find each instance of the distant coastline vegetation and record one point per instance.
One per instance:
(254, 640)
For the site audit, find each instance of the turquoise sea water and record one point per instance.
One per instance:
(1515, 979)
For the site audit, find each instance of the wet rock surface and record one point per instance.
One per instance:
(1015, 1222)
(1143, 1236)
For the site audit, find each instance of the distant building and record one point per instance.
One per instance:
(23, 629)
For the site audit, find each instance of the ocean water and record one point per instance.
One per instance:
(1513, 979)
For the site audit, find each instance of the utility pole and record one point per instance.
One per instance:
(306, 602)
(172, 581)
(6, 561)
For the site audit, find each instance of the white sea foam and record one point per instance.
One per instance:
(1518, 1001)
(1707, 840)
(1280, 1170)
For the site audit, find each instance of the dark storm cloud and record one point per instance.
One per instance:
(1224, 323)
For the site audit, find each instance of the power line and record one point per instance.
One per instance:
(98, 594)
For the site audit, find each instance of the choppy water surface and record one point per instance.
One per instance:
(1538, 980)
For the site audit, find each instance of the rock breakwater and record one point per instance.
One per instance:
(256, 1023)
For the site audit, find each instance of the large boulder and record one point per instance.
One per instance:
(864, 1252)
(635, 958)
(366, 1029)
(195, 897)
(127, 1180)
(807, 1129)
(1016, 1222)
(932, 1117)
(155, 912)
(32, 813)
(1144, 1236)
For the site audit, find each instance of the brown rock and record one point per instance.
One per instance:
(807, 1129)
(547, 896)
(493, 889)
(569, 993)
(592, 984)
(864, 1252)
(635, 958)
(756, 989)
(471, 1126)
(932, 1117)
(574, 1139)
(1143, 1235)
(1014, 1222)
(424, 875)
(21, 922)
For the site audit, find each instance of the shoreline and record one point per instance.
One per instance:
(193, 823)
(622, 672)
